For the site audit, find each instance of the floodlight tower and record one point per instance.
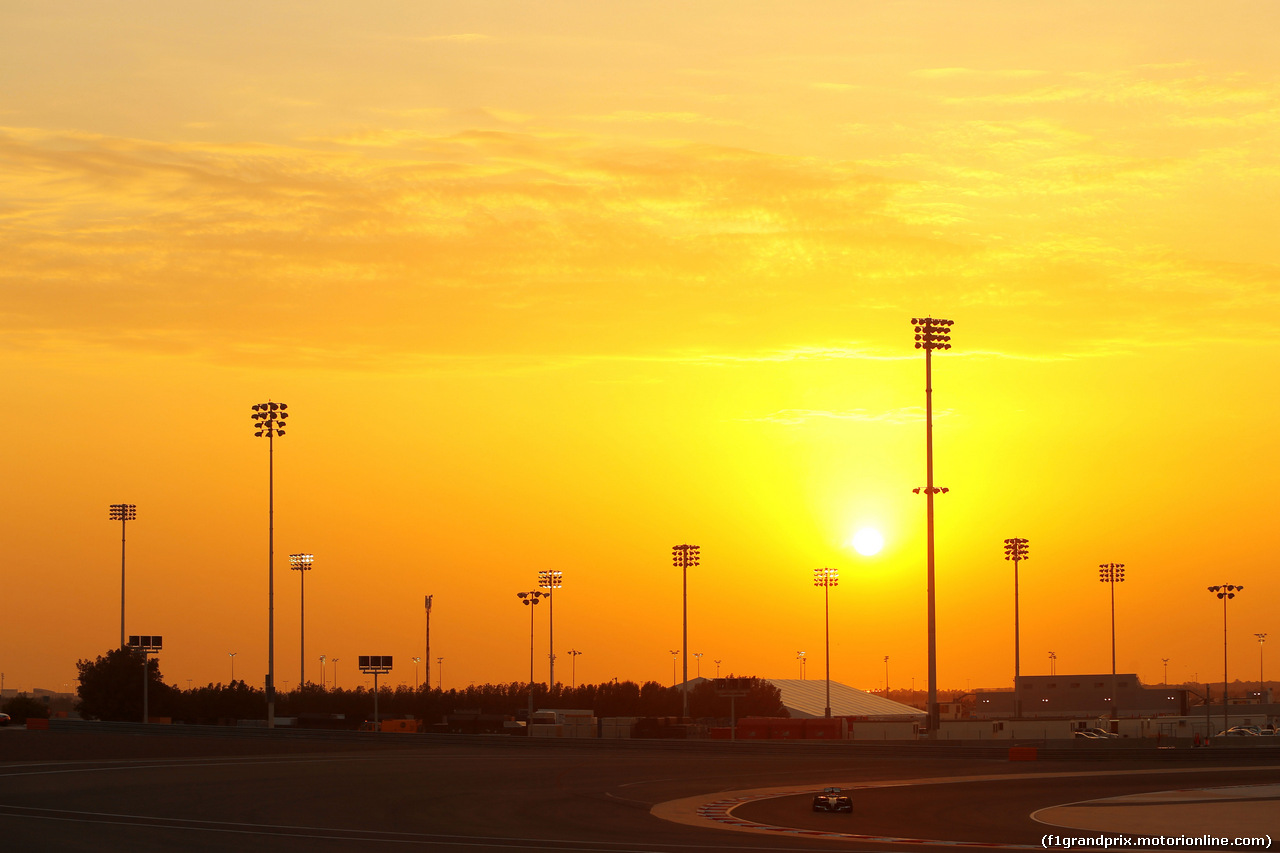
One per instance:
(268, 420)
(428, 652)
(685, 556)
(827, 578)
(530, 598)
(550, 580)
(1226, 592)
(931, 334)
(301, 563)
(1112, 574)
(122, 513)
(1016, 550)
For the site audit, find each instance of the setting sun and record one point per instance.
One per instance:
(868, 541)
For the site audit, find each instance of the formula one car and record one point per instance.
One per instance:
(832, 800)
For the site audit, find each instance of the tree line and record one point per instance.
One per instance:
(110, 688)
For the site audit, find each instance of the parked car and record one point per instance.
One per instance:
(1236, 732)
(832, 800)
(4, 719)
(1103, 733)
(1087, 735)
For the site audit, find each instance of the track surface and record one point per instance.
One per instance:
(64, 791)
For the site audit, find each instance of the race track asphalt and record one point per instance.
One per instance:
(95, 791)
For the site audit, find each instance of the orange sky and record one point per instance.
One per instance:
(563, 284)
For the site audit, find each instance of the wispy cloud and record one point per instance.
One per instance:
(799, 417)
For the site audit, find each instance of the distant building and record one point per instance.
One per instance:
(808, 698)
(1089, 695)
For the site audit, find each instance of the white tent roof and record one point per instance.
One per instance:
(809, 699)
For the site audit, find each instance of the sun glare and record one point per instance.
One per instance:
(868, 541)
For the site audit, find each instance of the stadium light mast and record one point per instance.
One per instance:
(122, 513)
(301, 563)
(685, 556)
(1016, 550)
(530, 598)
(268, 419)
(551, 580)
(827, 578)
(931, 334)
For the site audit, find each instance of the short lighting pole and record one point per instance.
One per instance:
(1262, 683)
(1226, 592)
(1165, 661)
(675, 657)
(324, 673)
(931, 334)
(886, 675)
(1053, 660)
(416, 661)
(301, 563)
(573, 667)
(530, 598)
(440, 674)
(697, 656)
(122, 513)
(1016, 550)
(268, 420)
(799, 657)
(717, 669)
(685, 556)
(551, 580)
(334, 661)
(827, 578)
(233, 666)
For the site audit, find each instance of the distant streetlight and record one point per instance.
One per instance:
(301, 563)
(799, 656)
(233, 666)
(1053, 660)
(268, 420)
(334, 661)
(675, 655)
(1165, 661)
(1262, 683)
(827, 578)
(324, 673)
(416, 661)
(440, 674)
(428, 651)
(573, 668)
(685, 556)
(931, 334)
(697, 656)
(122, 513)
(1226, 592)
(530, 598)
(551, 580)
(717, 669)
(1016, 550)
(886, 675)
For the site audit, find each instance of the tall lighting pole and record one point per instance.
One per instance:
(530, 598)
(551, 580)
(931, 334)
(1262, 683)
(1226, 592)
(122, 513)
(827, 578)
(301, 563)
(685, 556)
(1112, 574)
(268, 419)
(428, 652)
(1016, 550)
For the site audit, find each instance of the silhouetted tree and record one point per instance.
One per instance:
(111, 687)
